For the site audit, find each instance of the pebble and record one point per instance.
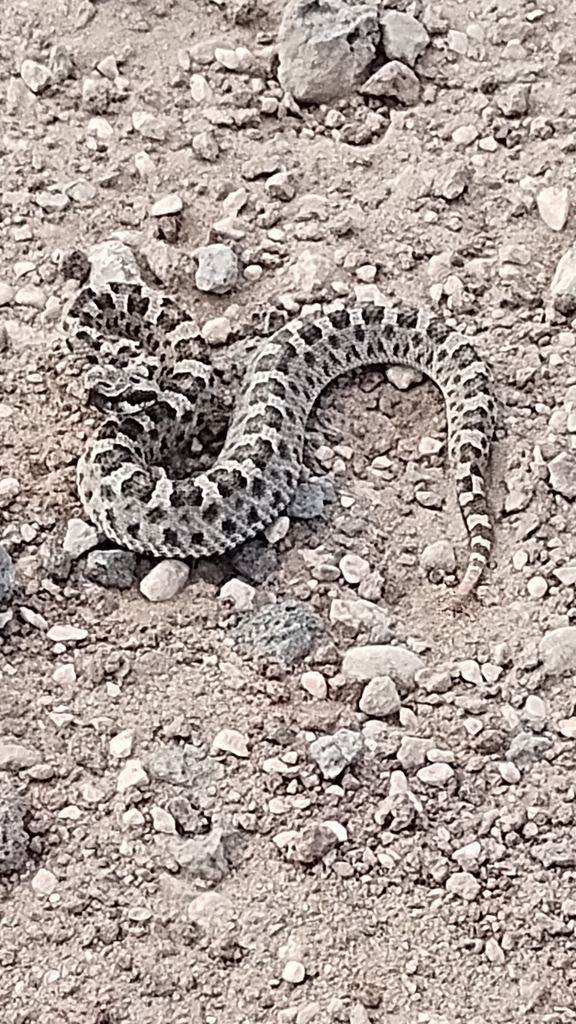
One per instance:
(553, 207)
(133, 775)
(165, 580)
(315, 684)
(470, 671)
(80, 537)
(286, 631)
(435, 774)
(35, 76)
(52, 201)
(241, 595)
(509, 773)
(380, 697)
(14, 839)
(413, 752)
(566, 574)
(230, 741)
(354, 568)
(6, 576)
(167, 206)
(562, 471)
(464, 885)
(451, 181)
(144, 164)
(393, 80)
(66, 634)
(567, 728)
(357, 613)
(537, 587)
(366, 663)
(311, 272)
(563, 285)
(112, 567)
(200, 89)
(334, 753)
(535, 714)
(7, 293)
(438, 557)
(9, 489)
(239, 59)
(293, 972)
(44, 882)
(403, 377)
(558, 651)
(281, 186)
(465, 135)
(217, 331)
(217, 268)
(15, 756)
(121, 744)
(147, 125)
(277, 530)
(205, 146)
(212, 912)
(31, 295)
(404, 38)
(325, 49)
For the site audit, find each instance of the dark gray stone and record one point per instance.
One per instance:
(285, 631)
(111, 568)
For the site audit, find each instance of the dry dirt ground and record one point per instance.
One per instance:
(161, 879)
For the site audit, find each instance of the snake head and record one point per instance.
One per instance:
(122, 392)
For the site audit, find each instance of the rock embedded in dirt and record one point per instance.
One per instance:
(380, 697)
(217, 268)
(366, 663)
(325, 49)
(393, 81)
(333, 754)
(113, 567)
(286, 631)
(34, 75)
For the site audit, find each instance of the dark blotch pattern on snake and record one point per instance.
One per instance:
(161, 381)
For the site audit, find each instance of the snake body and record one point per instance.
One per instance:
(155, 399)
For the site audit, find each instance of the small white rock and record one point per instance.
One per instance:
(435, 774)
(133, 774)
(166, 206)
(66, 634)
(162, 821)
(293, 972)
(470, 671)
(80, 538)
(239, 593)
(217, 330)
(44, 882)
(34, 75)
(230, 741)
(277, 530)
(537, 587)
(553, 207)
(315, 684)
(354, 568)
(121, 744)
(165, 580)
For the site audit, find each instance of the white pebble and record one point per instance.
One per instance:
(66, 634)
(239, 593)
(166, 206)
(230, 741)
(80, 538)
(294, 972)
(121, 744)
(9, 489)
(277, 530)
(133, 774)
(537, 587)
(217, 330)
(470, 671)
(509, 772)
(354, 568)
(315, 684)
(44, 882)
(165, 580)
(162, 821)
(437, 774)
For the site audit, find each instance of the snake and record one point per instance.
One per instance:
(151, 374)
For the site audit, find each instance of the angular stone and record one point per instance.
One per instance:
(380, 697)
(393, 81)
(336, 752)
(404, 37)
(562, 470)
(325, 48)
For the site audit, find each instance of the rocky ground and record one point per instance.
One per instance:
(292, 785)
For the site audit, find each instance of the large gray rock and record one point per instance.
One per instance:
(325, 48)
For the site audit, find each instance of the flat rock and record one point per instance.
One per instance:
(325, 48)
(365, 663)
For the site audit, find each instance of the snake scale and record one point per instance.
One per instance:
(158, 386)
